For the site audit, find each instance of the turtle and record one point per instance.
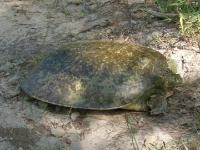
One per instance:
(103, 75)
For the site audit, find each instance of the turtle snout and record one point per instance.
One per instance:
(174, 80)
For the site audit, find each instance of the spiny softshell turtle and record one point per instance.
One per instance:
(103, 75)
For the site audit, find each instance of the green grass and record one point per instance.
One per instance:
(197, 117)
(189, 14)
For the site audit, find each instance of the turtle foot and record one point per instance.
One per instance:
(157, 104)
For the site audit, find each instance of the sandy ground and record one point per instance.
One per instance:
(31, 28)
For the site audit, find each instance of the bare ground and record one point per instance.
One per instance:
(31, 28)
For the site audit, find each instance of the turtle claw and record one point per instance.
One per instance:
(157, 104)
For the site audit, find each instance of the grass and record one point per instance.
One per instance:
(188, 11)
(132, 132)
(197, 117)
(184, 143)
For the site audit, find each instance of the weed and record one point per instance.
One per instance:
(189, 14)
(132, 131)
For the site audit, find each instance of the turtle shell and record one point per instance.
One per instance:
(97, 75)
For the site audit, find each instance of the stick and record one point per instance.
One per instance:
(161, 15)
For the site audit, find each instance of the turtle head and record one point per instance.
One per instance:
(173, 79)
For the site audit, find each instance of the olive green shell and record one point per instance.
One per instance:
(96, 75)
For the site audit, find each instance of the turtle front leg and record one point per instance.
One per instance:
(136, 106)
(157, 104)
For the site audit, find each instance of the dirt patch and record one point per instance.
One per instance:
(31, 28)
(19, 137)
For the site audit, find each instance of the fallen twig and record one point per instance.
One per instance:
(160, 14)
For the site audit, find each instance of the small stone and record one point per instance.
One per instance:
(58, 132)
(75, 115)
(108, 30)
(156, 34)
(133, 22)
(72, 137)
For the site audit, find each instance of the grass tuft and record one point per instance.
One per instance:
(189, 14)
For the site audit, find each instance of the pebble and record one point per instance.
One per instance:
(75, 115)
(156, 34)
(58, 132)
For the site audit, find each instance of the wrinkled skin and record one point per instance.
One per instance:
(103, 75)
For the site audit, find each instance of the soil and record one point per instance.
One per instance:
(32, 28)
